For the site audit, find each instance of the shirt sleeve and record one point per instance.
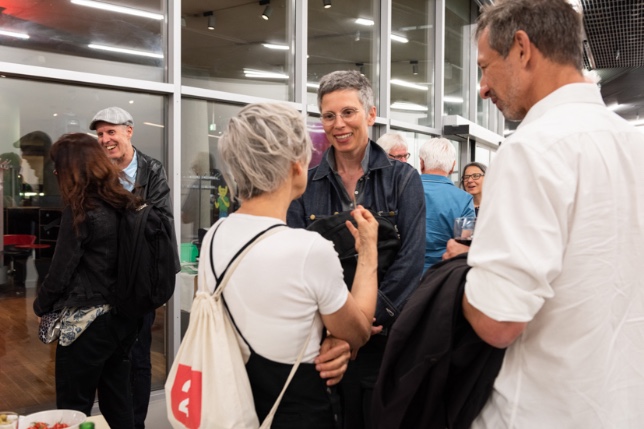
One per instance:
(518, 247)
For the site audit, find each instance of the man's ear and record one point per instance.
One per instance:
(452, 170)
(422, 165)
(523, 44)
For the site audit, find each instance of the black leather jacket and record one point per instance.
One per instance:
(84, 261)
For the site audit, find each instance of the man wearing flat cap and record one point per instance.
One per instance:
(145, 176)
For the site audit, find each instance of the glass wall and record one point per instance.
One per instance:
(413, 37)
(128, 41)
(239, 47)
(457, 57)
(35, 114)
(342, 37)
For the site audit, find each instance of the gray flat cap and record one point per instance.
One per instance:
(112, 115)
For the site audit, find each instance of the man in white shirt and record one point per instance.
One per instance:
(556, 262)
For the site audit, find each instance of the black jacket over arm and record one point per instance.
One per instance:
(436, 372)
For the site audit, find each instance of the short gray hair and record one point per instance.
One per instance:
(260, 145)
(438, 154)
(390, 141)
(347, 79)
(553, 26)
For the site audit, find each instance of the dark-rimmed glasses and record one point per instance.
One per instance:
(475, 176)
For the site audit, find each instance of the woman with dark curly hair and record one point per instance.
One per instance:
(92, 351)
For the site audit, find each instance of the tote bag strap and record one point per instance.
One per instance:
(266, 424)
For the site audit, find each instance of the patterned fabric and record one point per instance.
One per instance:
(76, 319)
(49, 328)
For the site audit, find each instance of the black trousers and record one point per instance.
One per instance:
(356, 387)
(141, 373)
(98, 362)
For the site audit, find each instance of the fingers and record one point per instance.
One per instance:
(333, 359)
(454, 248)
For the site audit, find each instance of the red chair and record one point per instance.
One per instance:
(18, 257)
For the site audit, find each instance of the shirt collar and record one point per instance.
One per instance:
(130, 173)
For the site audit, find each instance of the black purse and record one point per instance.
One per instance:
(334, 229)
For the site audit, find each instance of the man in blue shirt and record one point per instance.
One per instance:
(444, 202)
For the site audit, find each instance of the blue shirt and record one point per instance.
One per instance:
(130, 174)
(444, 202)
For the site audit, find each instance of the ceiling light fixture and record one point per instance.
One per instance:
(125, 51)
(119, 9)
(363, 21)
(451, 99)
(14, 34)
(402, 105)
(400, 39)
(268, 10)
(414, 67)
(277, 47)
(251, 73)
(326, 3)
(211, 20)
(406, 84)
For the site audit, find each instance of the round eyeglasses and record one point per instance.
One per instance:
(475, 176)
(346, 115)
(403, 157)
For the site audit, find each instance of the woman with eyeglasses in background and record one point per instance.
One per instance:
(472, 182)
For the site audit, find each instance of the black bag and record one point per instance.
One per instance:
(147, 255)
(334, 229)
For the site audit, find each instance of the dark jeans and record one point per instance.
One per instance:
(356, 387)
(141, 374)
(98, 362)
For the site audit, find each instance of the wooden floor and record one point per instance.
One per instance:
(27, 365)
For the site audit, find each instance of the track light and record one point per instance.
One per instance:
(211, 20)
(267, 12)
(327, 3)
(414, 67)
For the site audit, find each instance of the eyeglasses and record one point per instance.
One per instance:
(475, 176)
(403, 157)
(346, 115)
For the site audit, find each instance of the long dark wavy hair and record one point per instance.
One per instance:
(85, 174)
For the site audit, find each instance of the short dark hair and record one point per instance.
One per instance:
(553, 26)
(347, 79)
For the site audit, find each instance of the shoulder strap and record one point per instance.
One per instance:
(228, 272)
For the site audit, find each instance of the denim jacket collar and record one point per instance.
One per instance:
(376, 159)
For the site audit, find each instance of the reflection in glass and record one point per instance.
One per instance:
(34, 115)
(457, 56)
(412, 61)
(72, 36)
(243, 53)
(342, 37)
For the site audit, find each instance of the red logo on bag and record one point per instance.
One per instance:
(185, 397)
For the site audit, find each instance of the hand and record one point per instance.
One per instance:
(333, 359)
(454, 249)
(366, 235)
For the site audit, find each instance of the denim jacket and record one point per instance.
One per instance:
(391, 186)
(84, 262)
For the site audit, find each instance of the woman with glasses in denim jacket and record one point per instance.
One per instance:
(472, 182)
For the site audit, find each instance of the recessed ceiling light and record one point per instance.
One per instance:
(363, 21)
(125, 50)
(119, 9)
(400, 39)
(402, 105)
(273, 46)
(406, 84)
(14, 34)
